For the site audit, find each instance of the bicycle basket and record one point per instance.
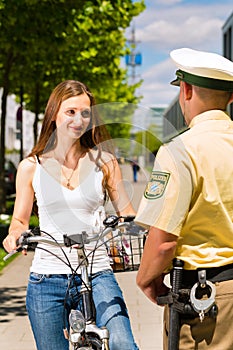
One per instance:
(125, 252)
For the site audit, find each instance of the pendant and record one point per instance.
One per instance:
(68, 184)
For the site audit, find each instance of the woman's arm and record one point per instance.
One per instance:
(23, 203)
(116, 189)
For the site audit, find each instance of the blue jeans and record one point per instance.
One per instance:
(45, 306)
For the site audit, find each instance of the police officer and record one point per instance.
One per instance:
(188, 202)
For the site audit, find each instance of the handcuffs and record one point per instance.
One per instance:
(199, 300)
(203, 305)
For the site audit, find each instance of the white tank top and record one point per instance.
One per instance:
(64, 211)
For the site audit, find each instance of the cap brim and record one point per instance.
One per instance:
(175, 82)
(205, 82)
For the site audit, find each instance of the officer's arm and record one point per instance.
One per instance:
(158, 254)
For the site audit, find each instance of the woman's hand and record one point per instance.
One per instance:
(9, 243)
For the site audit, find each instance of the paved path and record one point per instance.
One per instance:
(15, 332)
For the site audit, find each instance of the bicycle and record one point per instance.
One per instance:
(83, 333)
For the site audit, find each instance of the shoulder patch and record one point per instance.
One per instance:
(156, 185)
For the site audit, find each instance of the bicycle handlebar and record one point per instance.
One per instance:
(32, 237)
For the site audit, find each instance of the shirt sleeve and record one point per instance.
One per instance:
(166, 200)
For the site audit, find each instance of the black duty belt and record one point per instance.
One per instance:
(213, 274)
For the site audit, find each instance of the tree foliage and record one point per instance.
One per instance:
(148, 139)
(44, 42)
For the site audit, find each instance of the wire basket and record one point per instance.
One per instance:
(125, 252)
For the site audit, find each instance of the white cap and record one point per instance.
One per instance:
(204, 69)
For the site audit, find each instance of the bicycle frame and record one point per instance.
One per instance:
(78, 339)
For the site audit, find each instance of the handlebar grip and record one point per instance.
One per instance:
(21, 240)
(113, 220)
(18, 242)
(24, 240)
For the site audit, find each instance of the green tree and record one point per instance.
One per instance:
(149, 139)
(26, 41)
(88, 48)
(45, 42)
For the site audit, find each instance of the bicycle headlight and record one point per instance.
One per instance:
(77, 321)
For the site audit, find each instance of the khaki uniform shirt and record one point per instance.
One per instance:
(190, 191)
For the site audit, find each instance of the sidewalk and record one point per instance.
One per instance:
(15, 332)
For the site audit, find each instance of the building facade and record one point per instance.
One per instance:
(227, 33)
(12, 132)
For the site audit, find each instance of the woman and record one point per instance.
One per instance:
(69, 172)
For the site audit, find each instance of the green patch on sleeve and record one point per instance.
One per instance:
(156, 185)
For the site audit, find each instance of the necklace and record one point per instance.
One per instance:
(72, 173)
(69, 178)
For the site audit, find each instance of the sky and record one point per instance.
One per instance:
(166, 25)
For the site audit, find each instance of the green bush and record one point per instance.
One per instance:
(33, 221)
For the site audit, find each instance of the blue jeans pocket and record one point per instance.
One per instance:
(36, 278)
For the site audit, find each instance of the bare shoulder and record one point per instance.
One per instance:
(27, 166)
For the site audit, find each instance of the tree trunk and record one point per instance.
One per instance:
(37, 107)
